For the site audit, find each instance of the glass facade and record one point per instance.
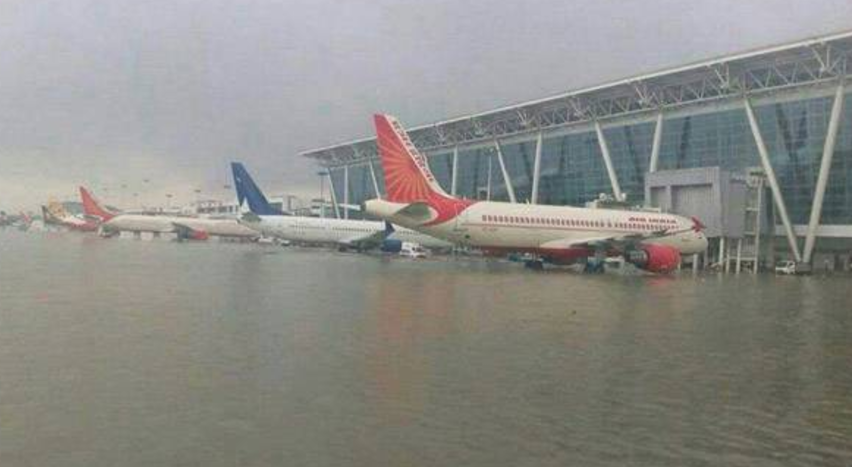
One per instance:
(837, 208)
(573, 171)
(519, 159)
(441, 166)
(795, 134)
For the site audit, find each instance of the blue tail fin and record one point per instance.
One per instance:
(249, 193)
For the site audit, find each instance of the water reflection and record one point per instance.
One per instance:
(154, 353)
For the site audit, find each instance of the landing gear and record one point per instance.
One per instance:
(534, 264)
(594, 265)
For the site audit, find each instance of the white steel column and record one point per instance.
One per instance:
(455, 176)
(773, 182)
(655, 147)
(739, 255)
(488, 184)
(610, 169)
(375, 181)
(346, 192)
(824, 172)
(333, 196)
(506, 180)
(536, 168)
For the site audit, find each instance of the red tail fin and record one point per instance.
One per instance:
(92, 208)
(407, 175)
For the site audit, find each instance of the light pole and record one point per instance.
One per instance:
(197, 192)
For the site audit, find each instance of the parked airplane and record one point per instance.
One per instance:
(54, 213)
(92, 208)
(191, 228)
(554, 234)
(345, 233)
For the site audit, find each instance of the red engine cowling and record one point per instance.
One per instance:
(660, 259)
(199, 235)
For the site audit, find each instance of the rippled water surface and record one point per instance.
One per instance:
(151, 353)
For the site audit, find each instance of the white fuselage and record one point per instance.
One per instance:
(167, 224)
(520, 227)
(334, 231)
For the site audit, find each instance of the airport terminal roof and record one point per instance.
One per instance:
(811, 62)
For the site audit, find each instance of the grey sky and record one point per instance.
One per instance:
(112, 92)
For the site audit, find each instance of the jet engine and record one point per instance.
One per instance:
(390, 245)
(199, 235)
(655, 258)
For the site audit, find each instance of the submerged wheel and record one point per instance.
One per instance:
(534, 264)
(594, 266)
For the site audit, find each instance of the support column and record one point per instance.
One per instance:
(506, 180)
(739, 255)
(455, 177)
(781, 208)
(488, 183)
(610, 169)
(346, 192)
(536, 168)
(333, 195)
(721, 253)
(375, 181)
(655, 146)
(758, 226)
(824, 172)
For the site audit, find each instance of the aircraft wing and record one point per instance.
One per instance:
(619, 242)
(368, 241)
(185, 231)
(417, 211)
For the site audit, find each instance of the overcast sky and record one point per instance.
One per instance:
(115, 92)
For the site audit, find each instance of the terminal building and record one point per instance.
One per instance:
(758, 145)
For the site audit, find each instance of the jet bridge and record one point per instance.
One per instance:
(729, 203)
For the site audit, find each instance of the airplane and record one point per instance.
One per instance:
(186, 228)
(651, 241)
(92, 208)
(22, 221)
(344, 233)
(54, 213)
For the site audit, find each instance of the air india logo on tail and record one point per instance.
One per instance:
(407, 175)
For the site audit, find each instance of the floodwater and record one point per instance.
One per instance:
(151, 353)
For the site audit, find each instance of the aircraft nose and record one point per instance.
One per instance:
(702, 240)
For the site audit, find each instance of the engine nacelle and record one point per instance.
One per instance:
(390, 245)
(655, 258)
(199, 235)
